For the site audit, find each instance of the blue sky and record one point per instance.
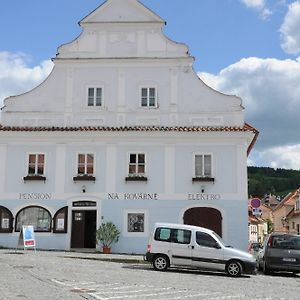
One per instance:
(250, 48)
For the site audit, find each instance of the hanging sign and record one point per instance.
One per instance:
(26, 238)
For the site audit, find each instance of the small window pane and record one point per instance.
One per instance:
(32, 158)
(98, 96)
(141, 158)
(141, 169)
(91, 97)
(90, 158)
(31, 169)
(41, 158)
(198, 166)
(90, 170)
(132, 169)
(207, 165)
(132, 158)
(81, 158)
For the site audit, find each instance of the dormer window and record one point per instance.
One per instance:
(148, 97)
(95, 95)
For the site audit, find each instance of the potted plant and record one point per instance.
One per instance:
(107, 234)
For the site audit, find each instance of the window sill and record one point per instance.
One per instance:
(84, 178)
(34, 178)
(203, 179)
(136, 178)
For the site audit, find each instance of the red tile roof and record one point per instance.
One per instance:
(245, 128)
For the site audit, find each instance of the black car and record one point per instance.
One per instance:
(281, 252)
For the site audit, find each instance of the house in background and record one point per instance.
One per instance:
(287, 214)
(122, 130)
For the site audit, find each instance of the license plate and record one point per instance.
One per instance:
(289, 259)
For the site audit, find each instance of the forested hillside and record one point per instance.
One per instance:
(279, 182)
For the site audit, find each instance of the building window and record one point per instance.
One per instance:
(36, 216)
(95, 96)
(136, 164)
(85, 165)
(203, 167)
(136, 167)
(148, 97)
(36, 164)
(6, 220)
(60, 220)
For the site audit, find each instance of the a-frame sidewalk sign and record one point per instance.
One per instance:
(26, 237)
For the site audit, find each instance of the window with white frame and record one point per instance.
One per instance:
(85, 164)
(36, 164)
(95, 95)
(148, 97)
(136, 164)
(203, 165)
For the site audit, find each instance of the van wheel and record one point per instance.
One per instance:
(161, 263)
(234, 268)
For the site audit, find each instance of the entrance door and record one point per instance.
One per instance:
(83, 229)
(206, 217)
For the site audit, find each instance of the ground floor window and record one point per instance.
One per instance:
(36, 216)
(6, 220)
(60, 220)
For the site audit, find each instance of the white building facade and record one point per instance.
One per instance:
(122, 130)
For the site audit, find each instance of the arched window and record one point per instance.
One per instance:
(60, 220)
(6, 220)
(36, 216)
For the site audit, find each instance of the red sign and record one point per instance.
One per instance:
(255, 202)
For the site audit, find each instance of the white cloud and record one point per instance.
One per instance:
(260, 6)
(290, 33)
(286, 157)
(17, 77)
(257, 4)
(270, 91)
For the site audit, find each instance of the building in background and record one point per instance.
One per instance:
(287, 214)
(122, 130)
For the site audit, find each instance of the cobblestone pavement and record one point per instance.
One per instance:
(67, 275)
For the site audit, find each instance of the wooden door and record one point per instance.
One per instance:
(206, 217)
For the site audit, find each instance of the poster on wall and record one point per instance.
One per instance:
(26, 238)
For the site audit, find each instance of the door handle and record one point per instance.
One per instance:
(192, 247)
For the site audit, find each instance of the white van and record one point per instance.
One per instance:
(195, 247)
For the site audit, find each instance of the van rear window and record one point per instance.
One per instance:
(286, 242)
(179, 236)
